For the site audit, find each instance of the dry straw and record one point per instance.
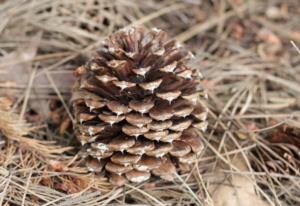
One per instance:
(252, 78)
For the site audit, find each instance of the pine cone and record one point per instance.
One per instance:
(137, 107)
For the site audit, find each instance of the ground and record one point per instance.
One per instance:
(247, 51)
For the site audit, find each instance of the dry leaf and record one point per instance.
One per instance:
(286, 136)
(47, 181)
(268, 36)
(66, 123)
(276, 13)
(57, 166)
(209, 85)
(238, 31)
(16, 68)
(271, 45)
(71, 185)
(252, 126)
(234, 190)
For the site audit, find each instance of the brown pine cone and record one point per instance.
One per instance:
(137, 107)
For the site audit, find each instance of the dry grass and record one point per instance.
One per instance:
(252, 75)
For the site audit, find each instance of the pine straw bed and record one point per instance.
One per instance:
(244, 50)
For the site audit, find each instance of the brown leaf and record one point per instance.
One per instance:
(234, 189)
(47, 181)
(209, 85)
(268, 36)
(16, 70)
(287, 136)
(252, 126)
(57, 165)
(276, 13)
(71, 184)
(61, 186)
(238, 31)
(66, 123)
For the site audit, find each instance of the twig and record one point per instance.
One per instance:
(26, 187)
(27, 93)
(156, 14)
(296, 47)
(208, 24)
(60, 96)
(146, 194)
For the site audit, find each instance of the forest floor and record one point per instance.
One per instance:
(247, 52)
